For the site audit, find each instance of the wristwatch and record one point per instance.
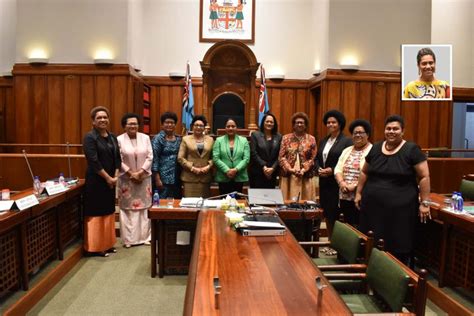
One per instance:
(426, 203)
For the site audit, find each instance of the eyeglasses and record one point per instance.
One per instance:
(198, 125)
(359, 133)
(132, 124)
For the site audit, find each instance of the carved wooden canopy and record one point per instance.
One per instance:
(230, 67)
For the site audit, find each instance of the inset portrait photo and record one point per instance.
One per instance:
(427, 72)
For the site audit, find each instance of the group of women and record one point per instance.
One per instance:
(377, 187)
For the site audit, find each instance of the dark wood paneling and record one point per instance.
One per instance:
(6, 102)
(377, 94)
(55, 105)
(72, 110)
(53, 102)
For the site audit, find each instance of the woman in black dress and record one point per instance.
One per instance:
(329, 150)
(388, 194)
(264, 149)
(103, 163)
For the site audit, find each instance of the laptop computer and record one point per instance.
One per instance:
(265, 197)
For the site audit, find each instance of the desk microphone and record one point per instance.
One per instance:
(68, 160)
(29, 167)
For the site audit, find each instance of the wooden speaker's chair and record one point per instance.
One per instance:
(352, 246)
(388, 287)
(467, 189)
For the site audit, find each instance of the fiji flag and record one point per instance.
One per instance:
(263, 106)
(188, 101)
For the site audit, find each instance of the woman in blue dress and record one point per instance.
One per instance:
(165, 158)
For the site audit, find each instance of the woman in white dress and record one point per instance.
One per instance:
(134, 183)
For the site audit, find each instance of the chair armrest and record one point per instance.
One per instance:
(314, 243)
(345, 276)
(343, 267)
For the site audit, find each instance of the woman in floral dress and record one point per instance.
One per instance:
(134, 183)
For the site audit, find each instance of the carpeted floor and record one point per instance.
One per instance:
(117, 285)
(121, 285)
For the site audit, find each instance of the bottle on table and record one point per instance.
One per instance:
(156, 198)
(460, 202)
(37, 186)
(454, 201)
(61, 179)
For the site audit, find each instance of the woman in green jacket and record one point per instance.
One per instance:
(231, 155)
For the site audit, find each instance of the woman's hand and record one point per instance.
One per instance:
(158, 183)
(424, 213)
(325, 172)
(231, 173)
(344, 187)
(357, 200)
(111, 181)
(268, 172)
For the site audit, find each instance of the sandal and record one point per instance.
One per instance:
(112, 250)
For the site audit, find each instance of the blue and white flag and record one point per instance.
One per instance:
(263, 106)
(188, 101)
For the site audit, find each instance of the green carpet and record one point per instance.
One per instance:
(118, 285)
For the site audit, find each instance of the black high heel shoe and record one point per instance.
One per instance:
(112, 250)
(96, 254)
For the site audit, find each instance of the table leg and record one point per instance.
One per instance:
(442, 263)
(153, 248)
(161, 248)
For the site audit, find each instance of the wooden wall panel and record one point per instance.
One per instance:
(6, 102)
(378, 94)
(72, 111)
(21, 108)
(87, 103)
(53, 102)
(55, 106)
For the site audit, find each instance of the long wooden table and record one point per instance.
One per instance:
(446, 245)
(257, 275)
(174, 259)
(29, 238)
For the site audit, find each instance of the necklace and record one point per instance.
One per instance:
(392, 149)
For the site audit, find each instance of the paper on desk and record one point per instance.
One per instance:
(6, 205)
(183, 237)
(190, 202)
(263, 224)
(212, 203)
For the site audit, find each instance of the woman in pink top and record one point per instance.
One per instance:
(134, 183)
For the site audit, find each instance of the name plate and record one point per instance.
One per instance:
(56, 189)
(5, 205)
(26, 202)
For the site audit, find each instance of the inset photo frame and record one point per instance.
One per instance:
(227, 19)
(427, 72)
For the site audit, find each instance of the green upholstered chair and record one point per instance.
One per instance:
(352, 246)
(392, 286)
(467, 189)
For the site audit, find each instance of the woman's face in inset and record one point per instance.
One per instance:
(427, 66)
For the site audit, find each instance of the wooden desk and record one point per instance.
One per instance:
(31, 237)
(165, 222)
(258, 275)
(446, 245)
